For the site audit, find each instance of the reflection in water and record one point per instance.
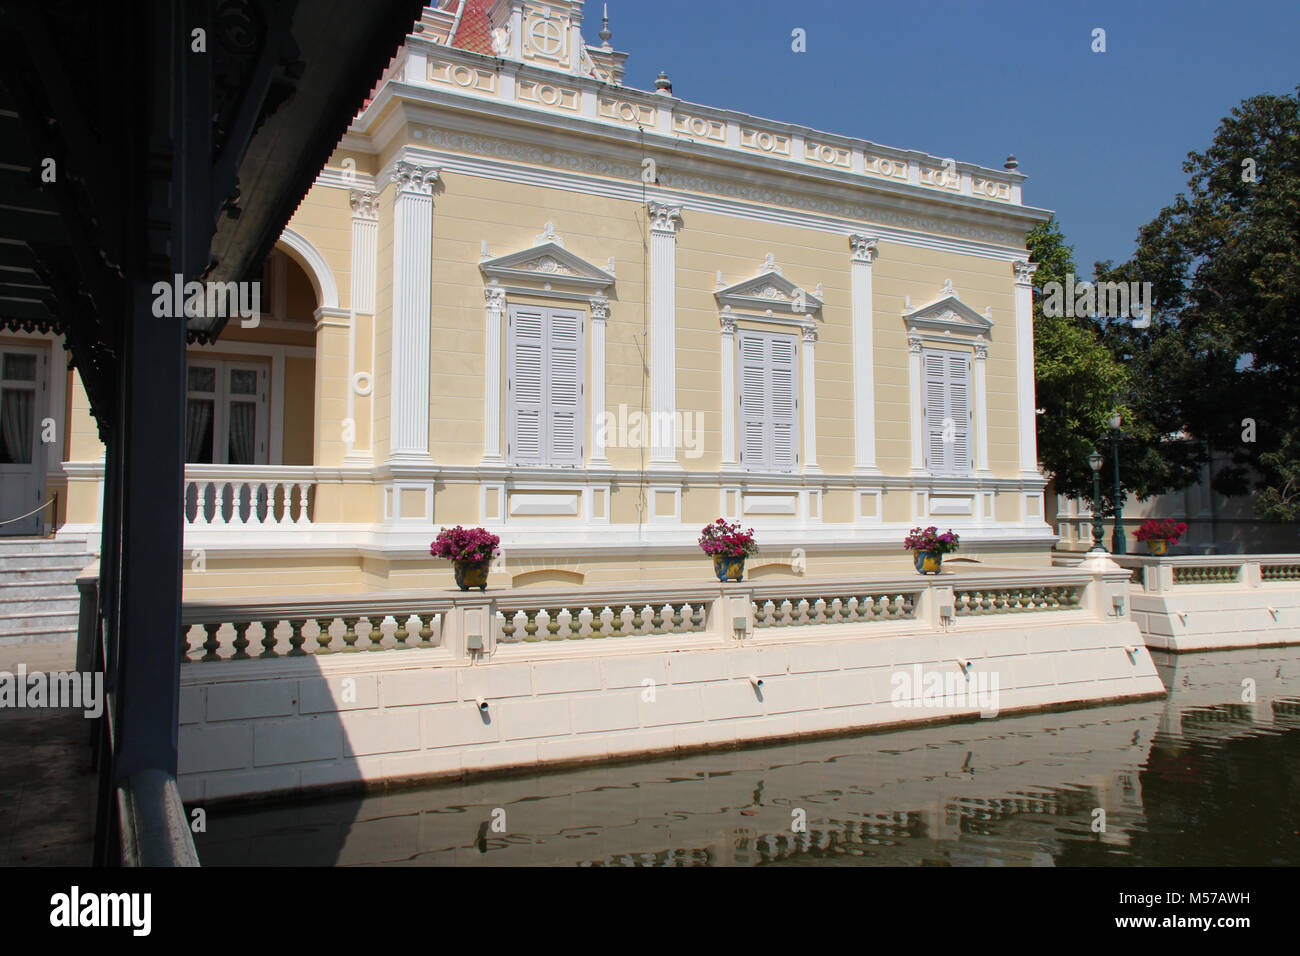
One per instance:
(1207, 776)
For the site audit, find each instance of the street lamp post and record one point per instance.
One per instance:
(1095, 462)
(1118, 542)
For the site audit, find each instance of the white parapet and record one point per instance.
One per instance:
(1207, 602)
(310, 693)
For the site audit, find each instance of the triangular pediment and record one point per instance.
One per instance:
(948, 314)
(549, 263)
(768, 290)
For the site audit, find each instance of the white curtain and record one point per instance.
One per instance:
(16, 419)
(243, 433)
(198, 430)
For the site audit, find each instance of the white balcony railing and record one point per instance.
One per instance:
(248, 495)
(515, 624)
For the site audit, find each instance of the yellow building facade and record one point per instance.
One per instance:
(593, 319)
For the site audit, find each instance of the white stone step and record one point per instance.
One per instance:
(71, 563)
(12, 546)
(15, 577)
(39, 622)
(22, 607)
(38, 637)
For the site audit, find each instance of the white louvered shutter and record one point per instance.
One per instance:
(959, 410)
(526, 385)
(934, 395)
(564, 370)
(782, 417)
(753, 400)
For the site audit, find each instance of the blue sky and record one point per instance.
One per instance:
(1101, 136)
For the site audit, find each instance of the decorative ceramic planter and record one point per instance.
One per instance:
(927, 562)
(471, 574)
(1158, 545)
(728, 568)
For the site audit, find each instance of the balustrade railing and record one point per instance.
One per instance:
(234, 496)
(268, 629)
(1155, 574)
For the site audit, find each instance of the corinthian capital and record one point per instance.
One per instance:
(864, 247)
(364, 205)
(1024, 271)
(664, 217)
(415, 180)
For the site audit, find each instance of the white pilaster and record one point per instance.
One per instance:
(412, 311)
(495, 306)
(599, 316)
(864, 376)
(664, 219)
(728, 356)
(365, 252)
(1025, 397)
(914, 400)
(809, 422)
(981, 411)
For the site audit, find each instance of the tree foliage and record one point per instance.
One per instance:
(1224, 262)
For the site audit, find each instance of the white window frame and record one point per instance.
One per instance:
(548, 458)
(222, 400)
(767, 465)
(967, 470)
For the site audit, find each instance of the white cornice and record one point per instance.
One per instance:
(517, 71)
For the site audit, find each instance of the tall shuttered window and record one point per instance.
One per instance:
(769, 407)
(948, 413)
(544, 386)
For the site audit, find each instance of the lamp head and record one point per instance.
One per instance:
(1115, 422)
(1094, 461)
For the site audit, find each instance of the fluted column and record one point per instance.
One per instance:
(412, 311)
(1025, 397)
(664, 219)
(809, 376)
(981, 411)
(729, 393)
(495, 306)
(599, 316)
(365, 250)
(864, 373)
(915, 384)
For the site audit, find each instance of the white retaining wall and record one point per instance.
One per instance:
(250, 727)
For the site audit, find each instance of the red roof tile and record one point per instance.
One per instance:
(474, 32)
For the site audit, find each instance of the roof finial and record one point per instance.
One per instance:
(663, 84)
(605, 33)
(1011, 163)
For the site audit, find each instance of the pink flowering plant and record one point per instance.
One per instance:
(1161, 529)
(729, 540)
(465, 544)
(931, 540)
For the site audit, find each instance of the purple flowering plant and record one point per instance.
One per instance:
(729, 540)
(465, 544)
(931, 540)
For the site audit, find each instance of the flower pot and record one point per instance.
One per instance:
(1157, 545)
(728, 567)
(471, 574)
(927, 562)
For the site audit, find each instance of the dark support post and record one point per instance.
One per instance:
(1118, 539)
(152, 442)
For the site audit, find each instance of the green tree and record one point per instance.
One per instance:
(1079, 383)
(1224, 262)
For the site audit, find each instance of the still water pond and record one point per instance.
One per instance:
(1200, 778)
